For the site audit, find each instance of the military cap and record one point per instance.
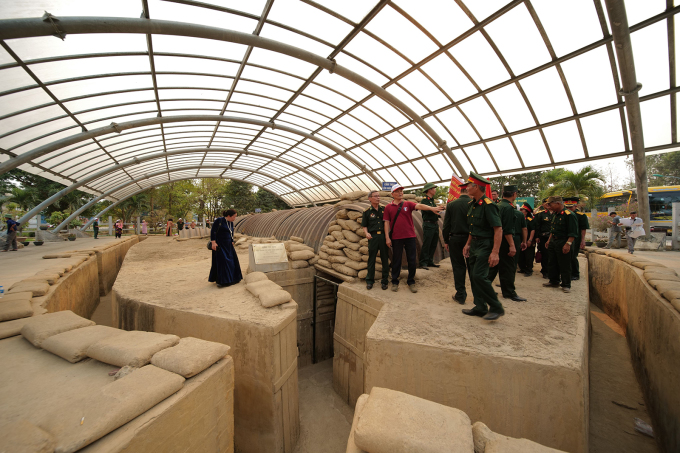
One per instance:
(428, 186)
(527, 206)
(8, 216)
(474, 178)
(570, 201)
(545, 200)
(510, 188)
(555, 200)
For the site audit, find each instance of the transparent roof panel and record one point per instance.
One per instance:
(432, 56)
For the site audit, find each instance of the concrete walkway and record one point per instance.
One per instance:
(27, 261)
(668, 258)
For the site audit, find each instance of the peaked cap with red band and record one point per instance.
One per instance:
(571, 201)
(474, 178)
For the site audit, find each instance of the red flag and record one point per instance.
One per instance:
(487, 192)
(454, 190)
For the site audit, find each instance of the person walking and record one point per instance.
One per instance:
(634, 231)
(119, 228)
(12, 227)
(526, 260)
(571, 203)
(372, 223)
(563, 231)
(225, 269)
(180, 225)
(482, 248)
(507, 264)
(542, 222)
(401, 235)
(95, 227)
(614, 231)
(168, 228)
(145, 228)
(430, 229)
(456, 234)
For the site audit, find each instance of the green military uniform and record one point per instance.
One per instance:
(430, 231)
(563, 226)
(520, 225)
(95, 227)
(507, 266)
(456, 234)
(526, 260)
(372, 219)
(542, 221)
(482, 217)
(583, 224)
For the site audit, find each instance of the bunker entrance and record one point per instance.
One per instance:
(322, 323)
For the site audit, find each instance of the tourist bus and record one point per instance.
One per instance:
(661, 201)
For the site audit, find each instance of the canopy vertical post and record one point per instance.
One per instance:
(616, 10)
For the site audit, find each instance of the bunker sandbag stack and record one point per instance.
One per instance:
(269, 293)
(242, 241)
(388, 421)
(300, 256)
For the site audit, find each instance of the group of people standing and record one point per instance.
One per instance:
(181, 225)
(485, 237)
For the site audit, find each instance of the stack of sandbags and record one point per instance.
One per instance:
(340, 251)
(269, 293)
(300, 255)
(243, 241)
(351, 197)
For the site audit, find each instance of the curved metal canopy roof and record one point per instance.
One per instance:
(310, 99)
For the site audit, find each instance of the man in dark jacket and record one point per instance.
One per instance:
(456, 234)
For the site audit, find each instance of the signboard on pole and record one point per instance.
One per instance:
(388, 185)
(258, 210)
(454, 190)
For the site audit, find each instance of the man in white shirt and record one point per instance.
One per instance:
(632, 231)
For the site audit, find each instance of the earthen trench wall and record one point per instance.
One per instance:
(652, 328)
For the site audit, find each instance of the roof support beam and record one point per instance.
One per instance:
(101, 213)
(616, 10)
(151, 175)
(138, 160)
(58, 144)
(24, 28)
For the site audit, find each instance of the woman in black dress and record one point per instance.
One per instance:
(225, 270)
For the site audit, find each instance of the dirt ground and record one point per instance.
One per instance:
(549, 328)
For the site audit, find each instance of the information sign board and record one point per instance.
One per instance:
(388, 185)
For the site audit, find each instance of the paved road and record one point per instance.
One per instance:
(27, 261)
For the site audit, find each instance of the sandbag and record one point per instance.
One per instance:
(50, 277)
(349, 235)
(19, 296)
(299, 264)
(313, 261)
(323, 262)
(35, 287)
(302, 255)
(353, 195)
(334, 228)
(323, 255)
(363, 250)
(15, 309)
(362, 274)
(190, 356)
(72, 345)
(343, 202)
(385, 193)
(337, 245)
(409, 196)
(395, 422)
(510, 445)
(134, 348)
(363, 242)
(22, 436)
(38, 328)
(356, 265)
(344, 269)
(333, 252)
(13, 328)
(329, 238)
(297, 239)
(273, 298)
(341, 214)
(255, 277)
(337, 259)
(351, 254)
(258, 288)
(339, 235)
(351, 245)
(334, 222)
(354, 215)
(360, 232)
(350, 225)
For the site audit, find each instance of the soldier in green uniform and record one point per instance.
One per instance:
(430, 228)
(456, 234)
(507, 265)
(95, 228)
(372, 221)
(520, 236)
(563, 231)
(483, 244)
(526, 260)
(542, 221)
(580, 241)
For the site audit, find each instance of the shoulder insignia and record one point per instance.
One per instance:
(367, 208)
(567, 212)
(488, 201)
(582, 213)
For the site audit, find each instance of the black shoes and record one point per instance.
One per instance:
(516, 298)
(459, 300)
(472, 312)
(493, 316)
(433, 265)
(383, 286)
(424, 268)
(575, 278)
(551, 285)
(528, 274)
(369, 285)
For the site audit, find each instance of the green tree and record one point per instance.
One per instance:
(240, 195)
(528, 184)
(585, 183)
(177, 198)
(210, 197)
(267, 201)
(132, 207)
(667, 164)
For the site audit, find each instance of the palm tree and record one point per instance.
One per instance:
(587, 182)
(24, 198)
